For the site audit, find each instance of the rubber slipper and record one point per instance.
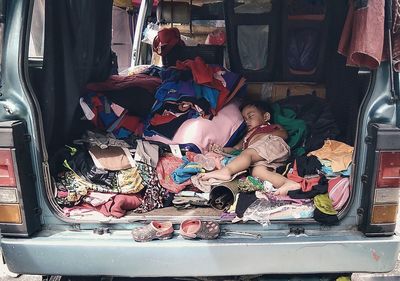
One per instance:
(192, 229)
(152, 231)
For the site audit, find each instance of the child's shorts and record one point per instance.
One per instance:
(273, 149)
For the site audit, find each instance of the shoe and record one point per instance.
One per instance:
(192, 229)
(195, 201)
(152, 231)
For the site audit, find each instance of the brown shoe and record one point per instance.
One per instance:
(152, 231)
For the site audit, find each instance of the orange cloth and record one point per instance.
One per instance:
(339, 153)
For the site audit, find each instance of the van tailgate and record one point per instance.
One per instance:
(116, 254)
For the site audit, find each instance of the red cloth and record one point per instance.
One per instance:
(204, 74)
(165, 167)
(159, 119)
(306, 183)
(262, 129)
(120, 204)
(166, 39)
(116, 82)
(136, 3)
(131, 123)
(362, 39)
(217, 37)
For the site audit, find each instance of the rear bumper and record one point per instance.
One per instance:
(116, 254)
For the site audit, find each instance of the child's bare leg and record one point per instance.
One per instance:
(280, 182)
(240, 163)
(287, 186)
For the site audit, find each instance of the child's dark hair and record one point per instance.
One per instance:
(260, 105)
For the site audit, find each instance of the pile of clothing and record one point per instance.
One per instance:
(108, 175)
(325, 189)
(191, 89)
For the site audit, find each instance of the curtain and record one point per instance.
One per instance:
(77, 50)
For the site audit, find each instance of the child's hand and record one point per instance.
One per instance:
(215, 148)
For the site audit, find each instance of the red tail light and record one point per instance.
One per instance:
(19, 210)
(7, 176)
(385, 205)
(389, 169)
(381, 181)
(9, 213)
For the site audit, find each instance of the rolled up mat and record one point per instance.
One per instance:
(223, 195)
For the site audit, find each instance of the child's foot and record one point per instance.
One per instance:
(287, 186)
(222, 174)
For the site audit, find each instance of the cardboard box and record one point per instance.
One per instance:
(274, 91)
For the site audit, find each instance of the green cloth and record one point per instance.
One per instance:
(296, 128)
(324, 204)
(250, 184)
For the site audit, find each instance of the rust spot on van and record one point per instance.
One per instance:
(375, 255)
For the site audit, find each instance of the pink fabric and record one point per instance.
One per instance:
(78, 209)
(363, 35)
(339, 192)
(201, 132)
(62, 194)
(166, 165)
(98, 198)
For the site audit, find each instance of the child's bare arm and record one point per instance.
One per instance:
(218, 148)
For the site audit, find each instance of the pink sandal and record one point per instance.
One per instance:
(152, 231)
(192, 229)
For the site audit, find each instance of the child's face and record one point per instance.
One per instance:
(254, 117)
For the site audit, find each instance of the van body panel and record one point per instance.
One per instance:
(86, 253)
(60, 250)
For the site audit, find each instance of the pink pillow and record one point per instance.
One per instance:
(201, 132)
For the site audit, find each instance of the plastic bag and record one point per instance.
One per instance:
(253, 46)
(150, 33)
(189, 41)
(259, 211)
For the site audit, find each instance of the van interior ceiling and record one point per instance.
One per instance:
(102, 133)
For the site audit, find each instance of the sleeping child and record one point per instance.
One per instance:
(264, 149)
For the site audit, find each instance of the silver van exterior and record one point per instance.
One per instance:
(56, 246)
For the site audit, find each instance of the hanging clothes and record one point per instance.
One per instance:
(396, 35)
(363, 37)
(363, 34)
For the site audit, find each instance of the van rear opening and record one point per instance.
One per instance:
(321, 109)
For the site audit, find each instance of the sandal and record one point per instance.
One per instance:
(191, 229)
(195, 201)
(152, 231)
